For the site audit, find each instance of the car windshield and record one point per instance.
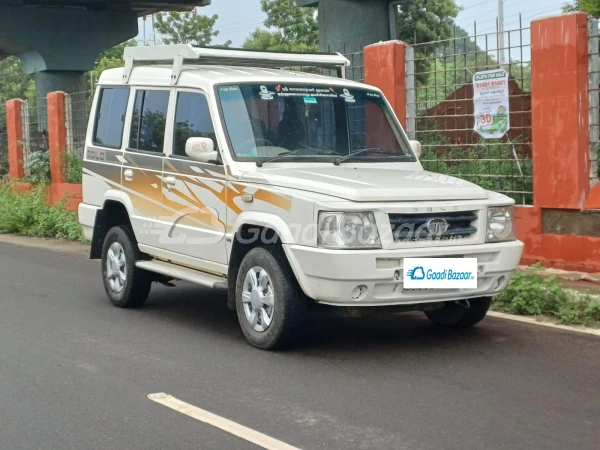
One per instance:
(308, 122)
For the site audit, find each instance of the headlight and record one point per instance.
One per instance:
(500, 224)
(348, 230)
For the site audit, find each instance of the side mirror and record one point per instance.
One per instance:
(201, 149)
(416, 148)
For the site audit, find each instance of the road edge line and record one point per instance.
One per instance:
(242, 432)
(533, 321)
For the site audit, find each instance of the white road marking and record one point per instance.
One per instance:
(262, 440)
(533, 321)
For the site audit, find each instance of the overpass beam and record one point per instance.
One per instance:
(60, 45)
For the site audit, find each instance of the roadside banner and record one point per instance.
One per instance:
(490, 96)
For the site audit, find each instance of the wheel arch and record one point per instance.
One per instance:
(244, 239)
(114, 212)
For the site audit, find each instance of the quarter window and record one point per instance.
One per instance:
(110, 117)
(192, 119)
(149, 120)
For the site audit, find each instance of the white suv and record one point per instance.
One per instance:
(288, 189)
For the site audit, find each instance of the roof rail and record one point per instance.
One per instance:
(177, 54)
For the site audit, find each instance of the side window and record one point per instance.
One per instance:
(192, 119)
(110, 117)
(149, 120)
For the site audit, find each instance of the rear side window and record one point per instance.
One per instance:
(149, 120)
(192, 119)
(110, 117)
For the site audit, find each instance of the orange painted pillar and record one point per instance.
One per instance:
(385, 68)
(57, 136)
(560, 111)
(14, 131)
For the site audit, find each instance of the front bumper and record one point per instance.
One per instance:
(329, 276)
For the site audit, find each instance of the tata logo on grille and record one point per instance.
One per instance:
(437, 227)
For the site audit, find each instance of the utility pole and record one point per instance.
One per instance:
(501, 33)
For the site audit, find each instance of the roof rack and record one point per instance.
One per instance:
(180, 53)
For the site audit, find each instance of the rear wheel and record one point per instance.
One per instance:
(125, 284)
(463, 314)
(270, 304)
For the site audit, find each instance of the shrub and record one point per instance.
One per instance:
(28, 214)
(37, 166)
(73, 167)
(529, 293)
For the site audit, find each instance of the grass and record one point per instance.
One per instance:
(28, 214)
(531, 294)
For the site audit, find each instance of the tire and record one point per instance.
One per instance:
(278, 304)
(453, 315)
(129, 286)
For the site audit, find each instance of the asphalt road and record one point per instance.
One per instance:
(75, 373)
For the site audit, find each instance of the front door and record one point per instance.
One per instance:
(143, 165)
(195, 197)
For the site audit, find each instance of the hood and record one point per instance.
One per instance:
(363, 184)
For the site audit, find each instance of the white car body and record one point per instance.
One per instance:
(210, 203)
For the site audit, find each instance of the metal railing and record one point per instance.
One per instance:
(440, 110)
(594, 97)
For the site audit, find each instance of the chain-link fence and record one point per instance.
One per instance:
(3, 144)
(77, 111)
(441, 112)
(594, 97)
(35, 138)
(356, 70)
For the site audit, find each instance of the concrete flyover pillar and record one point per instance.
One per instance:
(60, 45)
(347, 26)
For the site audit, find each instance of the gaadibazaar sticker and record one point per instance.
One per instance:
(490, 96)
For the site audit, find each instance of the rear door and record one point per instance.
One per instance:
(143, 165)
(196, 193)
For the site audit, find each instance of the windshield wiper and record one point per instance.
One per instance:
(364, 150)
(275, 158)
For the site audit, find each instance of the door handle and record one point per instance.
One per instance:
(128, 174)
(170, 180)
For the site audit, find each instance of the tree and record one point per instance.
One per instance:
(187, 28)
(571, 7)
(110, 59)
(293, 28)
(426, 20)
(15, 83)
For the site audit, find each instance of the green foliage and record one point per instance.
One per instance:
(421, 21)
(73, 167)
(293, 28)
(530, 293)
(109, 59)
(589, 6)
(426, 20)
(187, 28)
(14, 83)
(571, 7)
(38, 167)
(28, 214)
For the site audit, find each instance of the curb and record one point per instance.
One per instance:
(533, 321)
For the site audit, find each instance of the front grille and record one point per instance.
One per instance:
(413, 227)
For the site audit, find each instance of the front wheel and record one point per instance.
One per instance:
(270, 305)
(125, 284)
(464, 314)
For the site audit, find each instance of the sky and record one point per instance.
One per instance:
(238, 18)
